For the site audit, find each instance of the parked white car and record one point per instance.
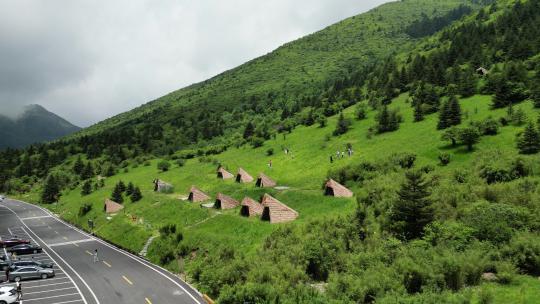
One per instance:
(8, 295)
(2, 198)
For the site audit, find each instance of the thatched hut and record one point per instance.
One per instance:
(250, 207)
(275, 211)
(196, 195)
(264, 181)
(333, 188)
(163, 187)
(224, 174)
(225, 202)
(482, 71)
(112, 207)
(243, 177)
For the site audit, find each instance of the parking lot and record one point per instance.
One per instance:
(59, 289)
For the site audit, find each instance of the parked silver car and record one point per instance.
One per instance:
(28, 273)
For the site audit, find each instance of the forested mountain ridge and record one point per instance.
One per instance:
(34, 125)
(290, 77)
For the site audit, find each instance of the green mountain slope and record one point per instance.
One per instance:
(444, 172)
(35, 125)
(294, 71)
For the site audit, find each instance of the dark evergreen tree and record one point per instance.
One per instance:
(467, 83)
(535, 88)
(51, 190)
(117, 194)
(136, 195)
(86, 188)
(528, 142)
(412, 211)
(121, 186)
(444, 116)
(249, 130)
(88, 171)
(342, 125)
(418, 112)
(129, 189)
(25, 167)
(78, 166)
(454, 111)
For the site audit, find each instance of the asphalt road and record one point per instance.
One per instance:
(118, 276)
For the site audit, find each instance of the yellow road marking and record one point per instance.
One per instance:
(108, 265)
(127, 280)
(89, 252)
(148, 301)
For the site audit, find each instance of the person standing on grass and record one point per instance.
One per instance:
(96, 257)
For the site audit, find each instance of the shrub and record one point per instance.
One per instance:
(444, 159)
(404, 160)
(180, 162)
(257, 142)
(524, 250)
(163, 166)
(84, 209)
(270, 152)
(495, 222)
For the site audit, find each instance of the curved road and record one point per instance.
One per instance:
(118, 276)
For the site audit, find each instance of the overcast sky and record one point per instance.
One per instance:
(88, 60)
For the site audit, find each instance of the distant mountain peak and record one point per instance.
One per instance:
(35, 124)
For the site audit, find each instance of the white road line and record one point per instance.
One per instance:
(65, 302)
(69, 266)
(45, 285)
(9, 230)
(77, 287)
(34, 217)
(71, 242)
(160, 270)
(51, 297)
(49, 290)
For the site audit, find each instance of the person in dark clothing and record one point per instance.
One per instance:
(19, 291)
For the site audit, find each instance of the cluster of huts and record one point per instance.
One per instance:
(268, 208)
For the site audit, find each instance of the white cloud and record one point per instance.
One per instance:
(88, 60)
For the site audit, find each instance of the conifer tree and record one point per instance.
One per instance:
(51, 190)
(122, 186)
(454, 111)
(88, 171)
(86, 188)
(529, 141)
(418, 112)
(342, 125)
(129, 189)
(444, 116)
(467, 83)
(136, 195)
(117, 194)
(78, 166)
(412, 211)
(249, 130)
(535, 90)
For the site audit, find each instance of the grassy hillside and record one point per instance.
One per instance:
(430, 222)
(303, 170)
